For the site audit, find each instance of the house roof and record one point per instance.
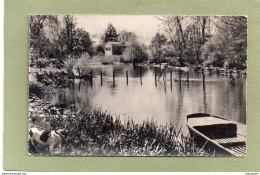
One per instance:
(118, 43)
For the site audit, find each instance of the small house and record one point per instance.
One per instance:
(115, 48)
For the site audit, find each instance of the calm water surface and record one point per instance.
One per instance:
(163, 101)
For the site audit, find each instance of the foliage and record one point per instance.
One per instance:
(217, 41)
(110, 34)
(157, 43)
(228, 46)
(77, 67)
(68, 33)
(56, 38)
(82, 43)
(57, 47)
(77, 41)
(38, 40)
(125, 36)
(35, 87)
(99, 50)
(173, 26)
(42, 79)
(196, 34)
(135, 53)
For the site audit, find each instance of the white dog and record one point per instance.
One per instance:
(40, 138)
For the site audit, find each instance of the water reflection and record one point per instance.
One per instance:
(164, 101)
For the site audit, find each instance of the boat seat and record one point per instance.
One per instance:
(218, 131)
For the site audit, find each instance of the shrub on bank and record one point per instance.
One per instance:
(134, 53)
(45, 78)
(77, 67)
(35, 88)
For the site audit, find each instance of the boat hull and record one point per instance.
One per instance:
(212, 149)
(218, 139)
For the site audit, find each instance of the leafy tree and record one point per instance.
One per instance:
(55, 37)
(68, 33)
(125, 36)
(228, 45)
(173, 27)
(102, 41)
(82, 42)
(38, 40)
(110, 34)
(74, 40)
(100, 50)
(135, 53)
(158, 41)
(218, 41)
(196, 34)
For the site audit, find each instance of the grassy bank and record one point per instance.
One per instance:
(48, 74)
(95, 132)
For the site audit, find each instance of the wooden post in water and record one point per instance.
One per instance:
(203, 79)
(217, 71)
(233, 80)
(238, 73)
(79, 73)
(171, 78)
(101, 78)
(188, 77)
(78, 86)
(91, 78)
(155, 78)
(180, 72)
(164, 77)
(141, 78)
(126, 77)
(114, 84)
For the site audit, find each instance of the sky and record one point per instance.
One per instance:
(144, 26)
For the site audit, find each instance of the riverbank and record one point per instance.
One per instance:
(53, 76)
(98, 133)
(199, 69)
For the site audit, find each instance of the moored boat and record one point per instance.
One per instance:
(222, 136)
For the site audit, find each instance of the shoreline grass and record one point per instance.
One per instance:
(93, 132)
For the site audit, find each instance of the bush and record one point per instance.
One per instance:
(35, 88)
(135, 53)
(77, 67)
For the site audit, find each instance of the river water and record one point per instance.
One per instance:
(143, 98)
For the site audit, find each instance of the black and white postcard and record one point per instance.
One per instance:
(137, 85)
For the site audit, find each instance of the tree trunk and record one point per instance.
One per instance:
(204, 20)
(180, 28)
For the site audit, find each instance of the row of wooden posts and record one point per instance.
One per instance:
(155, 77)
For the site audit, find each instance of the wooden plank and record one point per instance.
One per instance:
(206, 121)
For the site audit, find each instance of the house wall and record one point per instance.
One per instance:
(108, 50)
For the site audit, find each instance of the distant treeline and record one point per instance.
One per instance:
(53, 36)
(219, 41)
(194, 40)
